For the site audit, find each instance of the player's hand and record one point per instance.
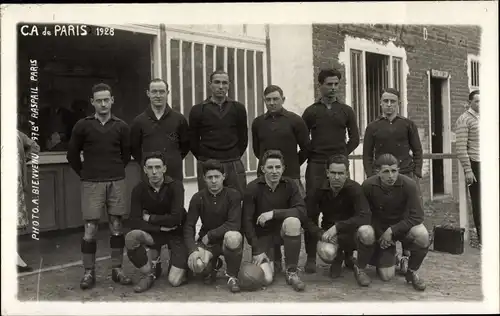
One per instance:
(167, 229)
(386, 239)
(260, 259)
(330, 235)
(470, 178)
(146, 216)
(193, 260)
(205, 240)
(264, 217)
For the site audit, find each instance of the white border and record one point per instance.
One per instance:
(483, 13)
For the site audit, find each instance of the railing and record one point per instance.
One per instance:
(462, 191)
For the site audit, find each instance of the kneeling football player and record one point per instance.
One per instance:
(219, 208)
(156, 217)
(273, 212)
(346, 221)
(397, 214)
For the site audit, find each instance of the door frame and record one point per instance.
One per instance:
(446, 125)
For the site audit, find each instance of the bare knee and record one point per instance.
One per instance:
(233, 240)
(91, 229)
(420, 236)
(326, 251)
(291, 226)
(366, 235)
(115, 225)
(176, 276)
(386, 274)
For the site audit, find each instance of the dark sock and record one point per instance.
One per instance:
(117, 243)
(310, 242)
(417, 256)
(292, 251)
(88, 249)
(233, 260)
(365, 254)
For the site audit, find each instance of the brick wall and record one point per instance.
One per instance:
(445, 49)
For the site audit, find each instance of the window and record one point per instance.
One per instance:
(191, 61)
(473, 65)
(371, 70)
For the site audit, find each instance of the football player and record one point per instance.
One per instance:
(397, 214)
(346, 221)
(156, 218)
(105, 142)
(219, 208)
(273, 212)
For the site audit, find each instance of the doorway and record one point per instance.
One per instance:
(70, 66)
(437, 135)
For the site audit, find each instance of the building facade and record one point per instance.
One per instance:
(434, 67)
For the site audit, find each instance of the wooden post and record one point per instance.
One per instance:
(462, 200)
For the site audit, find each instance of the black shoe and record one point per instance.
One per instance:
(293, 279)
(413, 278)
(88, 280)
(233, 284)
(310, 266)
(118, 276)
(361, 277)
(145, 283)
(211, 276)
(21, 269)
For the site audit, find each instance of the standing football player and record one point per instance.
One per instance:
(346, 221)
(397, 214)
(468, 154)
(160, 128)
(328, 121)
(394, 134)
(156, 218)
(284, 131)
(105, 142)
(219, 130)
(219, 208)
(273, 212)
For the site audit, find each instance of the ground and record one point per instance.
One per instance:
(449, 278)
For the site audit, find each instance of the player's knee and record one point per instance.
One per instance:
(291, 226)
(366, 235)
(420, 236)
(91, 229)
(326, 251)
(133, 239)
(115, 225)
(233, 240)
(176, 276)
(386, 274)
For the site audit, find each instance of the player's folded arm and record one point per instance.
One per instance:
(415, 214)
(177, 215)
(297, 205)
(362, 213)
(233, 222)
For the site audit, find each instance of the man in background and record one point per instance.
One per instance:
(467, 145)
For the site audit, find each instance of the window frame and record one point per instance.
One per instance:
(370, 46)
(473, 58)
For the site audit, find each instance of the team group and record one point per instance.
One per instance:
(270, 211)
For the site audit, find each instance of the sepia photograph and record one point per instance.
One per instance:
(181, 161)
